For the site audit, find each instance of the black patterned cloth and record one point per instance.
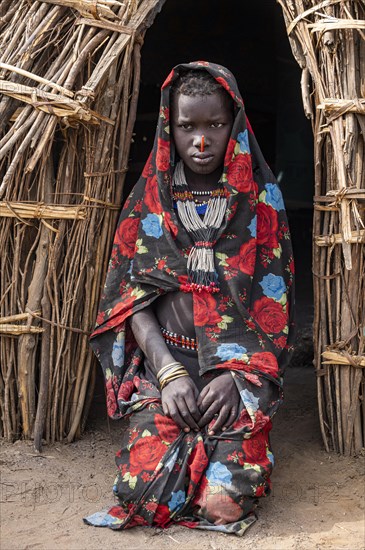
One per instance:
(164, 474)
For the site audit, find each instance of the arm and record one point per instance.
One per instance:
(149, 338)
(179, 397)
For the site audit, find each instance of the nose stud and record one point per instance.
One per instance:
(202, 145)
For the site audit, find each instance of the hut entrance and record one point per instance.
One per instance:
(260, 57)
(251, 40)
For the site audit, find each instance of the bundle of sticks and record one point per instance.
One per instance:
(69, 81)
(328, 42)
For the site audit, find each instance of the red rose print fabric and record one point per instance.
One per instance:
(205, 310)
(125, 237)
(246, 258)
(165, 475)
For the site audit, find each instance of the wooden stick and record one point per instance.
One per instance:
(356, 237)
(325, 25)
(17, 317)
(18, 330)
(333, 357)
(104, 25)
(89, 7)
(342, 106)
(309, 11)
(54, 104)
(356, 193)
(37, 78)
(41, 211)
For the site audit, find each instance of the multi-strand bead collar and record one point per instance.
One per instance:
(200, 193)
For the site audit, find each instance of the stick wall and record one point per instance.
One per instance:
(328, 42)
(69, 81)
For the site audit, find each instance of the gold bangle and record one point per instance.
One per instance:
(167, 371)
(172, 374)
(170, 371)
(168, 380)
(166, 367)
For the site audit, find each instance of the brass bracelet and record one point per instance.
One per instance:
(170, 372)
(166, 381)
(177, 371)
(167, 367)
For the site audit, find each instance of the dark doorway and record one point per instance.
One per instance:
(250, 39)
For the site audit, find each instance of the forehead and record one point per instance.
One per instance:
(200, 107)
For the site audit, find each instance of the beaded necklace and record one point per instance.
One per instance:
(201, 193)
(203, 231)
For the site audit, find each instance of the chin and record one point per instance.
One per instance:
(203, 170)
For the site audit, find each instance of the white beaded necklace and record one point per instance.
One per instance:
(203, 231)
(198, 193)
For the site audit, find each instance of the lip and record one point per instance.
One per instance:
(202, 155)
(202, 158)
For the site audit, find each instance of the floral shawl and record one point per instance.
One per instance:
(247, 327)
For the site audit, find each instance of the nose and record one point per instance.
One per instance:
(200, 141)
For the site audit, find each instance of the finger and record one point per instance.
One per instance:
(208, 415)
(231, 418)
(192, 407)
(185, 414)
(222, 417)
(165, 409)
(202, 395)
(208, 400)
(189, 401)
(176, 417)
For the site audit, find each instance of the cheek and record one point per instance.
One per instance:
(180, 141)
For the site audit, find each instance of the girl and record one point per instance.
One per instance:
(195, 322)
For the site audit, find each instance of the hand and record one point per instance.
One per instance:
(220, 397)
(179, 401)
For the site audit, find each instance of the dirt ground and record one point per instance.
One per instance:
(317, 500)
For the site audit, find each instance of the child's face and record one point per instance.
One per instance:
(194, 116)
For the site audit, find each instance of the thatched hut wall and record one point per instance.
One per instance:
(328, 41)
(69, 81)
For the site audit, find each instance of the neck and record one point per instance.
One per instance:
(201, 182)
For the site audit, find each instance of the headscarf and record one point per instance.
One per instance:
(246, 327)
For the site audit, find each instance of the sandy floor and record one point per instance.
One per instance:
(317, 501)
